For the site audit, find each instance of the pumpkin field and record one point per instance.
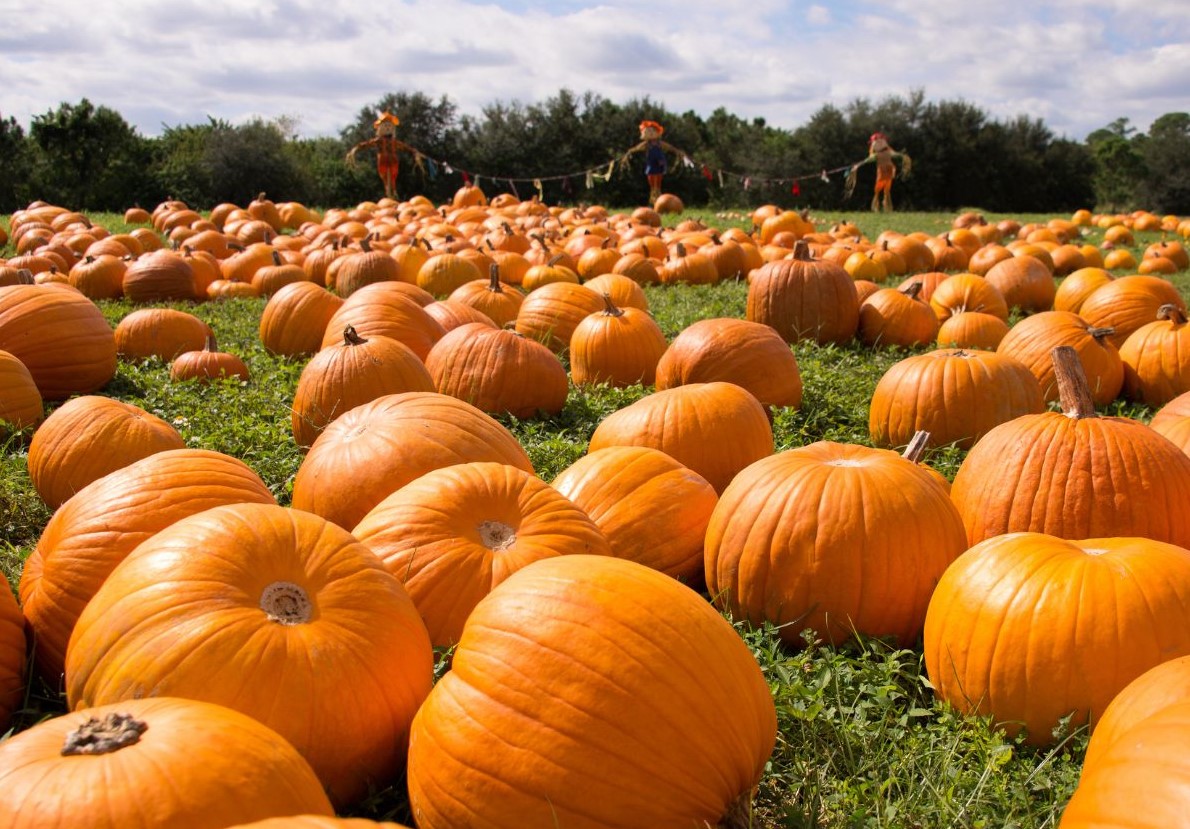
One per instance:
(492, 513)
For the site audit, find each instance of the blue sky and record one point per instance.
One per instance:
(1076, 64)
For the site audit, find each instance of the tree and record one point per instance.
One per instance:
(16, 172)
(1119, 168)
(1165, 185)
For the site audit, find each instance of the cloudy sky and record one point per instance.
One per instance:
(1076, 64)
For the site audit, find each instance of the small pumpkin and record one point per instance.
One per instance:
(208, 364)
(803, 298)
(617, 346)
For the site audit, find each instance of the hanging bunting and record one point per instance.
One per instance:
(720, 178)
(432, 167)
(512, 186)
(706, 172)
(467, 178)
(590, 179)
(796, 188)
(540, 189)
(747, 183)
(446, 168)
(825, 177)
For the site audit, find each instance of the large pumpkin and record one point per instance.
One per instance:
(340, 377)
(453, 534)
(1173, 421)
(12, 656)
(552, 312)
(748, 354)
(652, 509)
(157, 763)
(88, 437)
(804, 298)
(715, 429)
(1033, 340)
(60, 336)
(89, 535)
(377, 448)
(396, 316)
(1074, 474)
(295, 318)
(1030, 629)
(1157, 688)
(163, 333)
(957, 396)
(549, 686)
(1127, 303)
(834, 537)
(273, 612)
(160, 275)
(1156, 358)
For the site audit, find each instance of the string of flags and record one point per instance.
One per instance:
(603, 173)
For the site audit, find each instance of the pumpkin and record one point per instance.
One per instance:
(749, 354)
(1140, 780)
(269, 279)
(1173, 420)
(616, 346)
(535, 700)
(1029, 628)
(377, 448)
(63, 457)
(1156, 358)
(208, 364)
(637, 267)
(495, 300)
(653, 510)
(163, 333)
(622, 289)
(60, 336)
(445, 272)
(340, 377)
(957, 396)
(550, 314)
(1074, 474)
(715, 429)
(688, 267)
(1076, 287)
(365, 267)
(1032, 341)
(972, 329)
(295, 318)
(20, 401)
(1127, 303)
(1161, 686)
(160, 275)
(967, 292)
(784, 544)
(1025, 282)
(498, 371)
(90, 767)
(88, 536)
(12, 656)
(452, 313)
(318, 822)
(396, 316)
(272, 612)
(453, 534)
(897, 317)
(803, 298)
(99, 277)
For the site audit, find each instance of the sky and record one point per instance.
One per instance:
(1076, 64)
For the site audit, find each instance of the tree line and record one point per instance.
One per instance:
(88, 157)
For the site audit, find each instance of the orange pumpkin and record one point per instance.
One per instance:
(208, 364)
(1161, 686)
(715, 429)
(159, 332)
(495, 300)
(803, 298)
(617, 346)
(1127, 303)
(1074, 474)
(1033, 340)
(550, 314)
(784, 544)
(99, 277)
(445, 272)
(60, 336)
(1025, 282)
(62, 456)
(972, 329)
(395, 316)
(88, 536)
(366, 266)
(377, 448)
(1029, 628)
(12, 656)
(20, 401)
(897, 317)
(272, 612)
(748, 354)
(652, 509)
(318, 822)
(967, 292)
(89, 767)
(160, 275)
(1173, 421)
(453, 534)
(295, 318)
(1076, 287)
(488, 729)
(1156, 358)
(957, 396)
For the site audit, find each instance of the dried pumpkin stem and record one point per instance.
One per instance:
(1073, 391)
(1172, 313)
(352, 337)
(286, 603)
(801, 251)
(96, 736)
(496, 535)
(494, 279)
(609, 307)
(917, 446)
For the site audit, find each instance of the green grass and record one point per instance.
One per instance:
(862, 743)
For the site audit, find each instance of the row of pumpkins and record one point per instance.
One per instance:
(567, 667)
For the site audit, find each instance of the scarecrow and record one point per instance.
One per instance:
(880, 151)
(656, 163)
(388, 161)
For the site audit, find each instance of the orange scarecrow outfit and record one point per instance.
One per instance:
(656, 163)
(388, 149)
(881, 152)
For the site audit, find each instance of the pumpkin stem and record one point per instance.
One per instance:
(609, 307)
(1101, 334)
(917, 446)
(210, 344)
(496, 535)
(1171, 312)
(286, 603)
(912, 289)
(365, 244)
(352, 337)
(1073, 392)
(801, 251)
(277, 258)
(95, 736)
(494, 279)
(25, 277)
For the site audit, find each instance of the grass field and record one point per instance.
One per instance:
(862, 741)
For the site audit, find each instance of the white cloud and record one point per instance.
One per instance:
(1078, 64)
